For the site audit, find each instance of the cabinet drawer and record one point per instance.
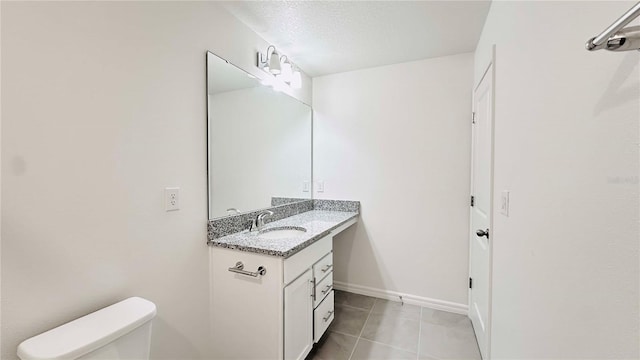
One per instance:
(323, 267)
(322, 317)
(300, 262)
(323, 288)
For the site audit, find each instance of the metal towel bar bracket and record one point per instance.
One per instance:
(616, 37)
(239, 269)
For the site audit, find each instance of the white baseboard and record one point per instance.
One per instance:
(406, 298)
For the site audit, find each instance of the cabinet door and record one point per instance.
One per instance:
(246, 311)
(298, 317)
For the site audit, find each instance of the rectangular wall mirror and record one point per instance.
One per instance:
(259, 142)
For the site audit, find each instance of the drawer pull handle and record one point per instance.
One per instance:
(239, 269)
(326, 318)
(327, 289)
(326, 268)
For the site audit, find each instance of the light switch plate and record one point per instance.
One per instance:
(172, 198)
(504, 203)
(320, 185)
(306, 186)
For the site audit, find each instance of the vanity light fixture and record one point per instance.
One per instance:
(270, 61)
(287, 74)
(274, 63)
(296, 79)
(274, 82)
(281, 68)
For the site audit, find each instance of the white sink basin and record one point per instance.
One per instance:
(284, 232)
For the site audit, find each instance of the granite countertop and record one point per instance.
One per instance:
(318, 223)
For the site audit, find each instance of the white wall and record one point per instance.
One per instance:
(104, 105)
(566, 266)
(260, 148)
(0, 195)
(397, 138)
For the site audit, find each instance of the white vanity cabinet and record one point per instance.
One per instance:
(277, 315)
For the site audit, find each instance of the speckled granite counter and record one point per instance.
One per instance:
(318, 223)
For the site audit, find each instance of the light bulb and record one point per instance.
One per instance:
(268, 80)
(287, 73)
(274, 63)
(296, 80)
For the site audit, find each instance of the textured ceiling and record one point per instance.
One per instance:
(325, 37)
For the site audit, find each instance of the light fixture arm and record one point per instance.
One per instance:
(263, 58)
(275, 67)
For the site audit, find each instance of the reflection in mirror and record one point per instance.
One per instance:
(259, 142)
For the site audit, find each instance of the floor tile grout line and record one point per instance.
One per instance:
(421, 324)
(354, 307)
(345, 334)
(379, 342)
(362, 330)
(387, 345)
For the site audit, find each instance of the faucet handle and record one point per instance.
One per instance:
(258, 222)
(262, 216)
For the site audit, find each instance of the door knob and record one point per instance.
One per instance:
(482, 233)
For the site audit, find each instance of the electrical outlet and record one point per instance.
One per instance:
(306, 186)
(172, 198)
(504, 203)
(320, 185)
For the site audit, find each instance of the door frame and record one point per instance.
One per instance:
(489, 66)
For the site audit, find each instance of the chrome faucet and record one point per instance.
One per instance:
(258, 222)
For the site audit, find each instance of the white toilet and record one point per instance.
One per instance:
(119, 331)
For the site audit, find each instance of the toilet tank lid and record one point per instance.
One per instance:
(90, 332)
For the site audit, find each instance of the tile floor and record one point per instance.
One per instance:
(370, 328)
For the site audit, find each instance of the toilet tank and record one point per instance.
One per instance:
(119, 331)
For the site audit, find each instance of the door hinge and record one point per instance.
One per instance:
(473, 117)
(473, 200)
(470, 283)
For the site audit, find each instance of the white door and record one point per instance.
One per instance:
(298, 317)
(481, 190)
